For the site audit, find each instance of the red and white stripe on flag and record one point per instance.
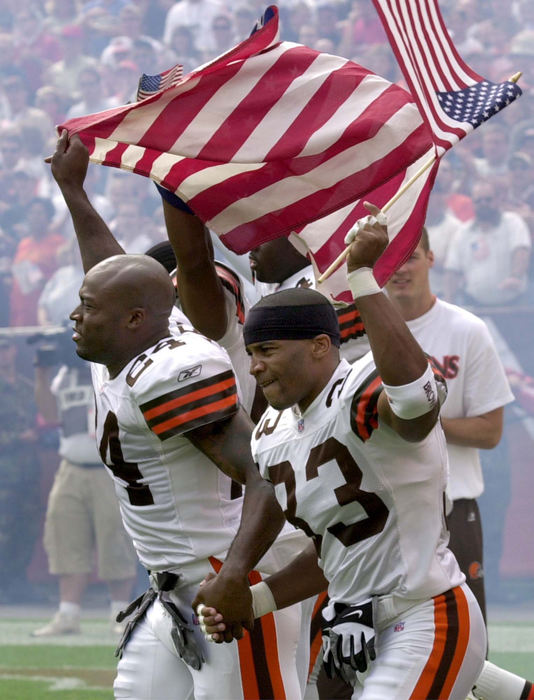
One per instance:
(265, 139)
(322, 240)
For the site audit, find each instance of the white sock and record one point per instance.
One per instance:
(495, 683)
(70, 609)
(116, 606)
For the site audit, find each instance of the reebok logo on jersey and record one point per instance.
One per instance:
(430, 394)
(189, 373)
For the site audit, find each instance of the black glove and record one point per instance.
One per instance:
(348, 640)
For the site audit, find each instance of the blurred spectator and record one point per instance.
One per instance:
(31, 160)
(93, 96)
(520, 192)
(244, 20)
(21, 112)
(10, 150)
(294, 18)
(308, 35)
(65, 74)
(456, 18)
(59, 14)
(121, 46)
(495, 150)
(198, 16)
(222, 33)
(132, 228)
(50, 100)
(183, 49)
(99, 19)
(442, 226)
(122, 81)
(60, 293)
(328, 24)
(489, 257)
(154, 13)
(379, 58)
(83, 511)
(36, 47)
(19, 467)
(362, 27)
(454, 179)
(15, 189)
(34, 262)
(496, 27)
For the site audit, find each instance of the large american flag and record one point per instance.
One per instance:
(264, 139)
(452, 98)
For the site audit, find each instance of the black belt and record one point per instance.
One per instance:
(165, 580)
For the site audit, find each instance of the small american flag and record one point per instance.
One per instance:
(150, 84)
(452, 97)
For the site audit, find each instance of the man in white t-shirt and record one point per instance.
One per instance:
(461, 347)
(489, 256)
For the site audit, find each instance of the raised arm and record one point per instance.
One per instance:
(199, 287)
(69, 168)
(399, 359)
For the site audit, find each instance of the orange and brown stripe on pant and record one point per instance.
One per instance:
(452, 626)
(261, 675)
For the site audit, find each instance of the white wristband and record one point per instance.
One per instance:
(415, 399)
(262, 599)
(362, 282)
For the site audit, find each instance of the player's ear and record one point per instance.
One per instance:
(321, 345)
(136, 318)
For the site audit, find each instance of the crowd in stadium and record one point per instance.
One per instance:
(67, 58)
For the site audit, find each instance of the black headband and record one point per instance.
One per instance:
(293, 314)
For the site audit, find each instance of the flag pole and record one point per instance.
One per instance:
(341, 257)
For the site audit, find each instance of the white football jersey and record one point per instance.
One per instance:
(177, 506)
(372, 501)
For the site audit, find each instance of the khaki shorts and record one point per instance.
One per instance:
(83, 514)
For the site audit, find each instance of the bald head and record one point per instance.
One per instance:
(135, 281)
(125, 304)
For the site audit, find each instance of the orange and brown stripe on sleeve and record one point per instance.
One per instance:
(350, 323)
(364, 407)
(452, 627)
(231, 282)
(197, 404)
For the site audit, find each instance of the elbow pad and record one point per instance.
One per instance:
(415, 399)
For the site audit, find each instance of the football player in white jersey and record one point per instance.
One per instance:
(358, 460)
(173, 436)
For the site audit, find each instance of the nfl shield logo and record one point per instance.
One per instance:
(300, 425)
(399, 627)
